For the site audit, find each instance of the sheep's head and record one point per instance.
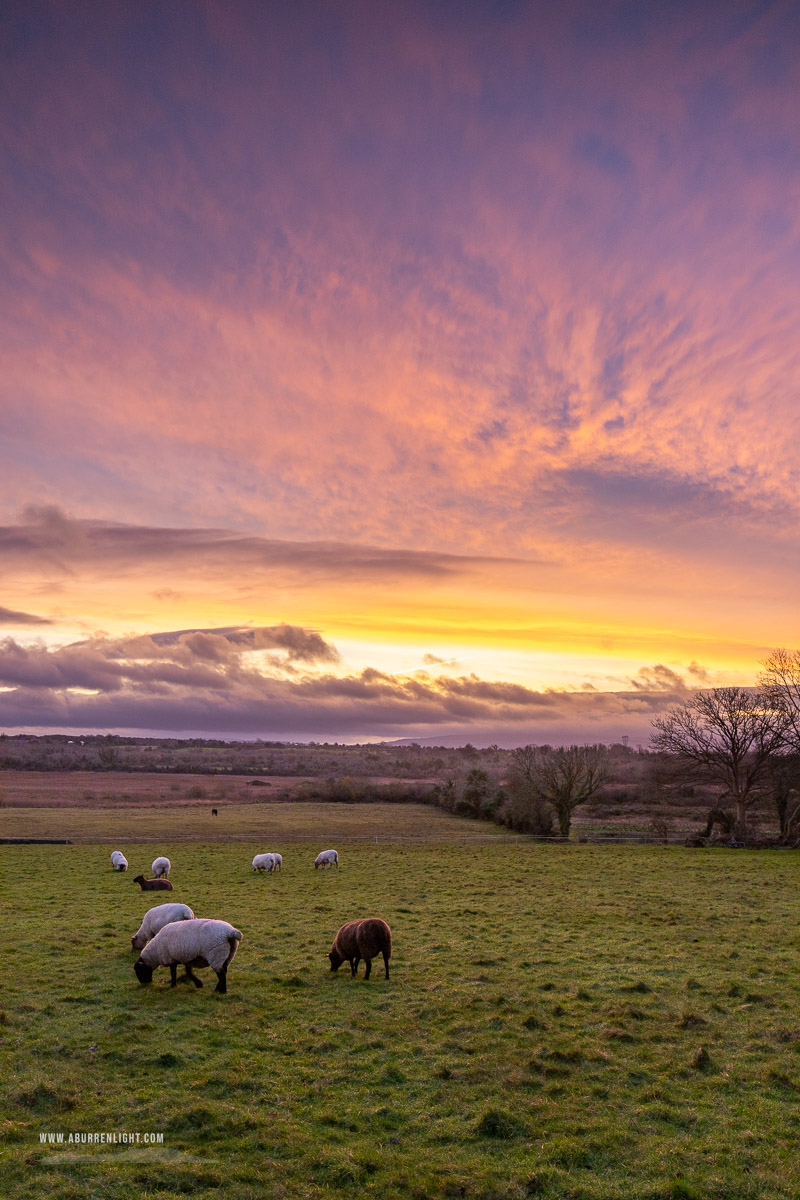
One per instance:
(143, 973)
(138, 879)
(336, 960)
(138, 941)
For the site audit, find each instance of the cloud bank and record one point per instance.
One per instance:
(277, 683)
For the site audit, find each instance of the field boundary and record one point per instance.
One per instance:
(422, 839)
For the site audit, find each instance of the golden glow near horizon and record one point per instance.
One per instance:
(431, 380)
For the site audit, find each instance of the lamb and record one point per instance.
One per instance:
(326, 858)
(118, 861)
(161, 867)
(195, 943)
(153, 885)
(264, 862)
(362, 939)
(156, 918)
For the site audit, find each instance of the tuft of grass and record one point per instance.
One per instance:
(497, 1123)
(691, 1020)
(701, 1059)
(682, 1189)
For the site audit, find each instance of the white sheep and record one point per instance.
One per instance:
(278, 862)
(156, 918)
(264, 862)
(118, 861)
(195, 943)
(161, 867)
(326, 858)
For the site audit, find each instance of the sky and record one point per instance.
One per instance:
(414, 370)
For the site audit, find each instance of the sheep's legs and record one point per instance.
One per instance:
(173, 974)
(368, 961)
(386, 963)
(222, 985)
(191, 975)
(354, 965)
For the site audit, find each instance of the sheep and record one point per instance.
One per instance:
(277, 864)
(326, 858)
(118, 861)
(213, 812)
(153, 885)
(362, 939)
(156, 918)
(264, 862)
(195, 943)
(161, 867)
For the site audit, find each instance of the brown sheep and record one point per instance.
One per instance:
(362, 939)
(153, 885)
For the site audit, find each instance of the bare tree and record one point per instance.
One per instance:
(562, 777)
(569, 776)
(732, 735)
(780, 680)
(528, 812)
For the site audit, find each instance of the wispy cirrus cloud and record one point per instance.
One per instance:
(569, 255)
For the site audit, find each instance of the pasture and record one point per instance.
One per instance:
(563, 1021)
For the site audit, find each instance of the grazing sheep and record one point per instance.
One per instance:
(264, 862)
(156, 918)
(362, 939)
(118, 861)
(153, 885)
(326, 858)
(213, 812)
(195, 943)
(277, 864)
(161, 868)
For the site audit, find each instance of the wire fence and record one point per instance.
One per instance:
(347, 838)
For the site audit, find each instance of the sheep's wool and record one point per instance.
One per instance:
(183, 941)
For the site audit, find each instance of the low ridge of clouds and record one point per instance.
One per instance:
(206, 681)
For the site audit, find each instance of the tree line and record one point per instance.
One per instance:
(744, 743)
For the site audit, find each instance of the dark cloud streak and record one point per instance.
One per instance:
(9, 617)
(48, 536)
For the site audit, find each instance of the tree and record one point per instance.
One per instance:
(780, 680)
(474, 794)
(569, 776)
(527, 812)
(562, 777)
(731, 736)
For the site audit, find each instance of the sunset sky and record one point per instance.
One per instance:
(418, 369)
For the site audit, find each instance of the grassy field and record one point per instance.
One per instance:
(275, 822)
(571, 1021)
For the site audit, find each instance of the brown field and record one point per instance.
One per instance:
(147, 805)
(172, 818)
(99, 789)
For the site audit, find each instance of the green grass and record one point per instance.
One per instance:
(562, 1021)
